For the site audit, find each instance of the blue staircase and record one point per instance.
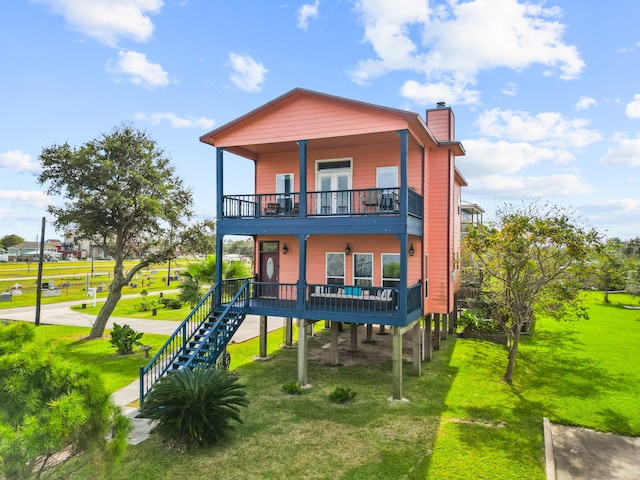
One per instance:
(200, 339)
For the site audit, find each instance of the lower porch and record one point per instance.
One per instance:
(333, 343)
(340, 303)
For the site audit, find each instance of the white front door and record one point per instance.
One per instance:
(334, 196)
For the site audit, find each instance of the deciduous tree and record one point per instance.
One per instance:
(10, 240)
(535, 254)
(609, 266)
(121, 192)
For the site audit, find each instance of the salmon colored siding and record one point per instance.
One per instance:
(439, 229)
(365, 159)
(367, 135)
(441, 124)
(307, 118)
(319, 245)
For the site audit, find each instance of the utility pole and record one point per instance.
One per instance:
(39, 286)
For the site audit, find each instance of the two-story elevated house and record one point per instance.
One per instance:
(355, 216)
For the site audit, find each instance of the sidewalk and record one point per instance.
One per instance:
(574, 453)
(61, 314)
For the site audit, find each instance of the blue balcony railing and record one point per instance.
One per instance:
(359, 202)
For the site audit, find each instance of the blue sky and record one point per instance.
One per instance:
(546, 94)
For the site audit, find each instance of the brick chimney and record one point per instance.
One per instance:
(442, 122)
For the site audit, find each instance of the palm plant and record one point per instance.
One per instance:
(200, 277)
(195, 405)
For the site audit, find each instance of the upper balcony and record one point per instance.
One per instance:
(328, 203)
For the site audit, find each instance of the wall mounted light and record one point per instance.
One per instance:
(285, 249)
(411, 250)
(347, 251)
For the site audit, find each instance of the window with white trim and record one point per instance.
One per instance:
(387, 177)
(335, 268)
(363, 269)
(390, 270)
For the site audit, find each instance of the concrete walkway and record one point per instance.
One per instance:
(582, 454)
(61, 314)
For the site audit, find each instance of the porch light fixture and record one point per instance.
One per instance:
(411, 250)
(347, 251)
(285, 249)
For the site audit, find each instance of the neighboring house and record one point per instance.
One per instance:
(355, 216)
(471, 216)
(31, 250)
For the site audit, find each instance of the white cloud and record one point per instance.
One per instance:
(108, 21)
(247, 74)
(139, 69)
(624, 151)
(510, 89)
(176, 121)
(546, 128)
(28, 198)
(439, 91)
(531, 186)
(453, 43)
(485, 157)
(306, 12)
(584, 103)
(614, 214)
(633, 108)
(17, 161)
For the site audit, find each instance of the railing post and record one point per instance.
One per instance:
(141, 386)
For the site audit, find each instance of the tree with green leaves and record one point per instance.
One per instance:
(10, 240)
(632, 277)
(609, 266)
(53, 411)
(121, 192)
(534, 256)
(200, 277)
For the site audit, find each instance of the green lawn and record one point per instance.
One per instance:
(129, 307)
(461, 421)
(78, 276)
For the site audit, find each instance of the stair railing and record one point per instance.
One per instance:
(163, 360)
(216, 341)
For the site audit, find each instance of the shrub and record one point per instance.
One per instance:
(172, 303)
(125, 338)
(342, 395)
(195, 405)
(471, 322)
(292, 388)
(50, 405)
(14, 334)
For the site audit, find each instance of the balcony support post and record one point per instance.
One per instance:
(263, 336)
(303, 347)
(397, 363)
(335, 332)
(302, 272)
(416, 350)
(302, 149)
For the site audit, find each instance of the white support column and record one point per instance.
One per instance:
(416, 351)
(397, 363)
(334, 343)
(427, 353)
(263, 336)
(353, 329)
(302, 352)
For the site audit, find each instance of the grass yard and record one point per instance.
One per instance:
(77, 278)
(117, 371)
(129, 307)
(462, 421)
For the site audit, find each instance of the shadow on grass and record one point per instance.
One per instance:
(560, 366)
(368, 438)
